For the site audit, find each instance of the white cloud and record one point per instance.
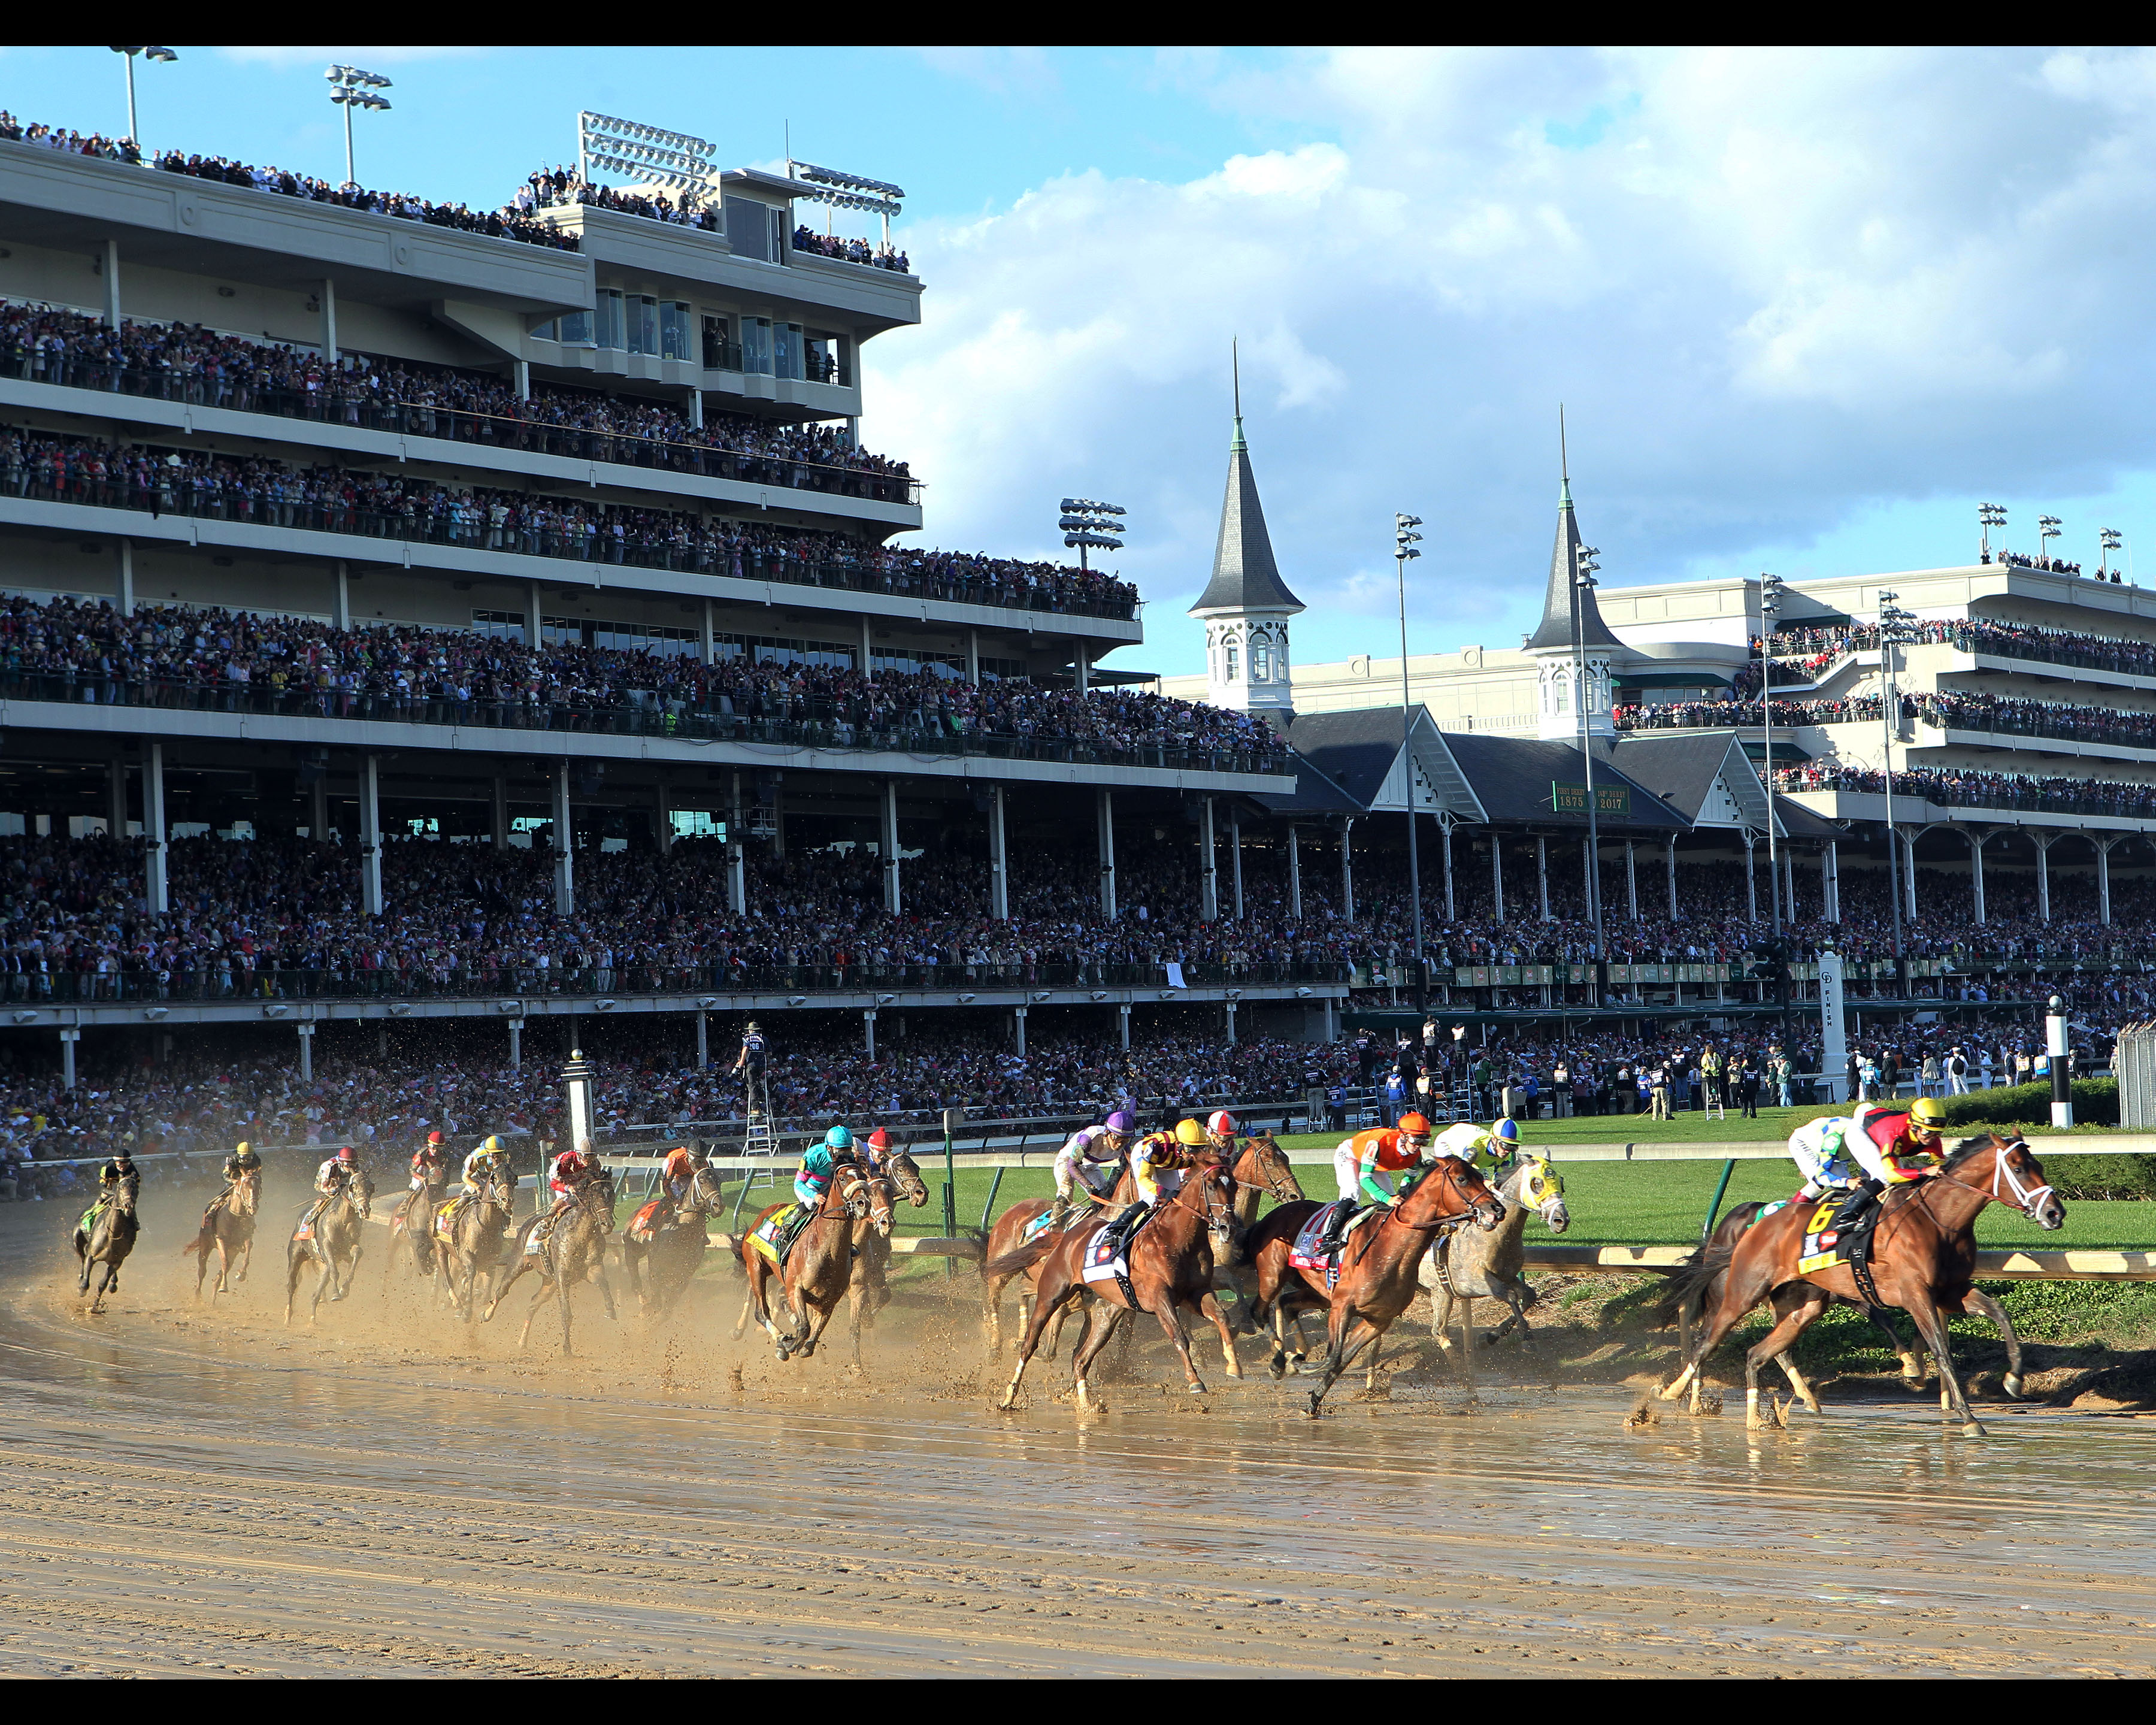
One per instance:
(1777, 289)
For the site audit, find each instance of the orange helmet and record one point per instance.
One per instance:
(1413, 1126)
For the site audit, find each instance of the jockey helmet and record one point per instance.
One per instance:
(242, 1147)
(1927, 1114)
(1121, 1122)
(838, 1138)
(1221, 1123)
(345, 1152)
(1506, 1130)
(1189, 1132)
(1413, 1126)
(492, 1147)
(878, 1139)
(754, 1025)
(433, 1138)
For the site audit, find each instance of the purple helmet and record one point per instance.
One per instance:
(1121, 1122)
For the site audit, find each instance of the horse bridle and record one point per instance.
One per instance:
(2026, 1196)
(1205, 1211)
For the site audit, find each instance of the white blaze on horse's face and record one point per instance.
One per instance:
(1544, 1188)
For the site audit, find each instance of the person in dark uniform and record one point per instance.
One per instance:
(752, 1063)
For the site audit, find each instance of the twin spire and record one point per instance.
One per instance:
(1245, 576)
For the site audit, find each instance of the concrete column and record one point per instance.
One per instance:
(1497, 873)
(868, 646)
(1104, 833)
(1542, 873)
(1673, 877)
(1231, 1023)
(973, 656)
(2043, 881)
(709, 646)
(1235, 858)
(1631, 880)
(306, 1034)
(565, 846)
(703, 1040)
(1976, 874)
(1123, 1025)
(1751, 880)
(737, 878)
(318, 813)
(1208, 878)
(111, 270)
(515, 1044)
(1293, 875)
(868, 1031)
(153, 828)
(1909, 868)
(1830, 882)
(534, 627)
(499, 811)
(2103, 879)
(115, 797)
(1017, 1023)
(126, 577)
(1079, 667)
(1444, 838)
(328, 294)
(67, 1040)
(370, 835)
(663, 813)
(1347, 868)
(341, 595)
(891, 901)
(998, 858)
(696, 406)
(520, 379)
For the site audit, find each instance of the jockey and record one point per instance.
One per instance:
(819, 1163)
(490, 1157)
(1820, 1150)
(119, 1170)
(1480, 1147)
(1220, 1131)
(571, 1170)
(1365, 1165)
(874, 1148)
(336, 1173)
(679, 1173)
(1893, 1147)
(430, 1163)
(242, 1161)
(1092, 1155)
(1157, 1164)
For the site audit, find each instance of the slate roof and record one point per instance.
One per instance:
(1680, 766)
(1555, 629)
(1512, 776)
(1245, 576)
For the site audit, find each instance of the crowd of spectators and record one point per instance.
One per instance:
(851, 251)
(1722, 715)
(1813, 651)
(565, 189)
(297, 665)
(70, 143)
(188, 362)
(327, 498)
(1967, 787)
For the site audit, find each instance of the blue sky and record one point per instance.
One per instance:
(1805, 308)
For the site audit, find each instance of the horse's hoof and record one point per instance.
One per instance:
(1312, 1410)
(1975, 1429)
(1277, 1367)
(2011, 1384)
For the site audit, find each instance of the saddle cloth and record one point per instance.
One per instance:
(1038, 1224)
(1305, 1253)
(306, 1229)
(445, 1217)
(645, 1222)
(774, 1235)
(1106, 1259)
(1825, 1247)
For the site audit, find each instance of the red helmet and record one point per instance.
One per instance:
(880, 1139)
(1221, 1123)
(345, 1152)
(433, 1138)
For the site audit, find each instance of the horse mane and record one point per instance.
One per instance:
(1968, 1147)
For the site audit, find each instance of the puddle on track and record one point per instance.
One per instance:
(393, 1494)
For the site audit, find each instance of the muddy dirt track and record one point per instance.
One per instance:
(188, 1491)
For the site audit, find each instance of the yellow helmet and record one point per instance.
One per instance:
(1928, 1112)
(1189, 1132)
(492, 1145)
(244, 1146)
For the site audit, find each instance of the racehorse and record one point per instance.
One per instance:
(671, 1245)
(1377, 1266)
(1689, 1302)
(476, 1239)
(868, 1290)
(564, 1250)
(819, 1268)
(1170, 1264)
(1922, 1260)
(332, 1244)
(1464, 1267)
(107, 1240)
(412, 1232)
(227, 1229)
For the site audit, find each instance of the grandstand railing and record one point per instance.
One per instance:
(815, 722)
(531, 981)
(337, 406)
(466, 526)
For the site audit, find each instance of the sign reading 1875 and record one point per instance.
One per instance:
(1609, 799)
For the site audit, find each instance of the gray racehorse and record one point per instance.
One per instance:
(108, 1239)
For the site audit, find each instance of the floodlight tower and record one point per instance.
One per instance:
(1988, 516)
(1086, 523)
(1582, 580)
(1771, 589)
(161, 55)
(2108, 540)
(1894, 626)
(1404, 541)
(351, 88)
(2047, 530)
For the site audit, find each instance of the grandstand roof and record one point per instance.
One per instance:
(1685, 767)
(1359, 752)
(1512, 777)
(1245, 576)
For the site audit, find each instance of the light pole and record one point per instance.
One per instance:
(1085, 522)
(1404, 541)
(135, 137)
(2108, 540)
(1770, 606)
(2047, 530)
(1988, 516)
(1892, 621)
(351, 88)
(1582, 584)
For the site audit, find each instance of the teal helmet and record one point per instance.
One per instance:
(838, 1138)
(1507, 1132)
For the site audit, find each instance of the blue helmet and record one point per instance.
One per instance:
(838, 1138)
(1506, 1130)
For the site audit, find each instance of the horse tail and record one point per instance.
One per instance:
(1693, 1279)
(1023, 1259)
(192, 1246)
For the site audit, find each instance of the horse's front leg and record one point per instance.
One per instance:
(1048, 1302)
(1977, 1303)
(1348, 1333)
(1209, 1306)
(1171, 1320)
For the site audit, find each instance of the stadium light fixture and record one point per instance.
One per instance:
(350, 88)
(2108, 540)
(1988, 516)
(1086, 523)
(1405, 539)
(161, 55)
(1771, 590)
(1584, 566)
(2047, 530)
(845, 191)
(673, 161)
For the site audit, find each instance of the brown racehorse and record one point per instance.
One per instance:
(227, 1229)
(1923, 1259)
(476, 1241)
(335, 1239)
(1171, 1267)
(412, 1232)
(672, 1249)
(818, 1269)
(868, 1290)
(1376, 1269)
(562, 1251)
(109, 1239)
